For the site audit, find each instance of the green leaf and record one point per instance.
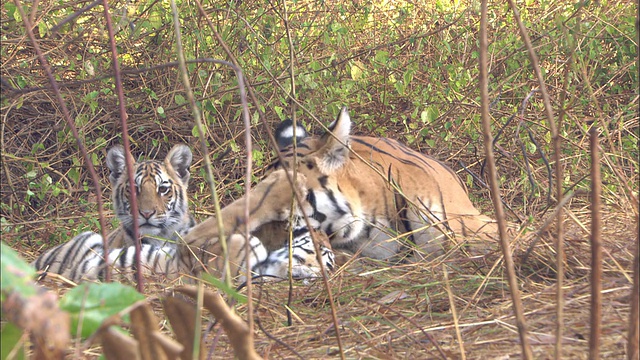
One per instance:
(280, 111)
(382, 56)
(15, 273)
(357, 70)
(96, 302)
(160, 111)
(155, 19)
(234, 146)
(17, 17)
(408, 76)
(222, 286)
(31, 174)
(429, 115)
(9, 337)
(195, 132)
(180, 100)
(42, 29)
(399, 87)
(74, 174)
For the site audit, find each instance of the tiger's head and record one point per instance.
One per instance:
(161, 193)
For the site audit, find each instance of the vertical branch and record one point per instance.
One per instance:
(495, 190)
(201, 135)
(235, 66)
(285, 18)
(128, 159)
(247, 191)
(292, 78)
(555, 139)
(247, 123)
(70, 123)
(452, 306)
(596, 248)
(634, 315)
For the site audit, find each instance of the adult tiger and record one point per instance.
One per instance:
(376, 196)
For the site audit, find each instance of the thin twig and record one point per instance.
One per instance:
(203, 143)
(247, 124)
(452, 306)
(73, 16)
(282, 343)
(634, 315)
(325, 279)
(128, 159)
(413, 322)
(555, 139)
(495, 190)
(596, 248)
(545, 224)
(292, 62)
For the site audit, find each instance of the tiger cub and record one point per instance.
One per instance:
(163, 208)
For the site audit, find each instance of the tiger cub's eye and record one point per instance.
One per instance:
(163, 189)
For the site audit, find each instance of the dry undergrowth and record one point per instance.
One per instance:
(403, 311)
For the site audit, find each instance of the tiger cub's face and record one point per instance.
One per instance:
(161, 192)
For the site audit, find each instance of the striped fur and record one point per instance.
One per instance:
(378, 197)
(88, 263)
(163, 209)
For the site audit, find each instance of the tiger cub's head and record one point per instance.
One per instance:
(161, 193)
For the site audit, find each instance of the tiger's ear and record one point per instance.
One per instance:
(115, 163)
(334, 151)
(179, 158)
(285, 131)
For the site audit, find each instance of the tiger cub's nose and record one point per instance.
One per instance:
(147, 214)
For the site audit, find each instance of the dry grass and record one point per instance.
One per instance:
(397, 312)
(403, 311)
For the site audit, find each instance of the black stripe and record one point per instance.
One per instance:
(409, 152)
(337, 207)
(71, 256)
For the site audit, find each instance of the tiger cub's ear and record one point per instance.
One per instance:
(179, 158)
(115, 163)
(334, 151)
